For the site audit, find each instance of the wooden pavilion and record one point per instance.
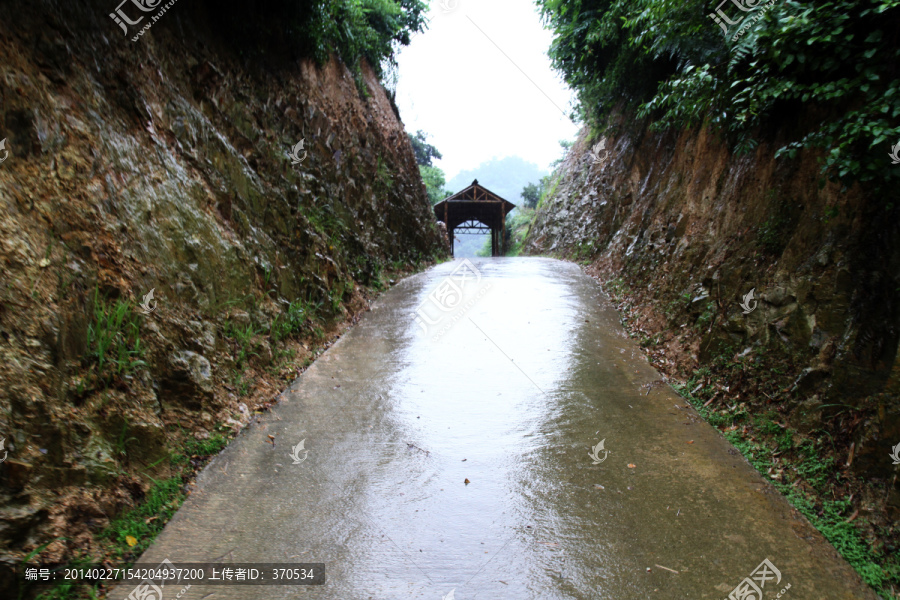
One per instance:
(474, 210)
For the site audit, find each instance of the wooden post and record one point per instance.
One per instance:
(447, 223)
(503, 230)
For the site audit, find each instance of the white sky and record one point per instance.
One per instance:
(457, 86)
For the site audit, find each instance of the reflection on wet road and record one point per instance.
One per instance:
(508, 386)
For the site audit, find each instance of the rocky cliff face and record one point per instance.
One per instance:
(684, 230)
(163, 165)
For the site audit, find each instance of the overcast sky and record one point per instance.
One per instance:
(456, 84)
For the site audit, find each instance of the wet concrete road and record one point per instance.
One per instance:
(510, 390)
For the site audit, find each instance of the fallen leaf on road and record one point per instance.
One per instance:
(631, 466)
(467, 482)
(691, 442)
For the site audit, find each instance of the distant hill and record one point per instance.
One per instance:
(503, 176)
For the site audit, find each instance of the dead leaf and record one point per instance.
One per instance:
(467, 482)
(691, 442)
(131, 541)
(631, 466)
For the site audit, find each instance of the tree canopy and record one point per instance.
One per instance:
(352, 29)
(825, 72)
(531, 193)
(423, 150)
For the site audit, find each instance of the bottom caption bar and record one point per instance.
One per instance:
(169, 573)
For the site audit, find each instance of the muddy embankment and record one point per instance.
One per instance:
(680, 230)
(163, 165)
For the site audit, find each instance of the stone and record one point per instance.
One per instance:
(188, 379)
(99, 460)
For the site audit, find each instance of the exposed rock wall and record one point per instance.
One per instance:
(163, 165)
(689, 229)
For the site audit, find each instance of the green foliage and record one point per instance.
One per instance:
(422, 149)
(669, 61)
(122, 441)
(531, 193)
(161, 502)
(336, 296)
(294, 318)
(211, 446)
(706, 316)
(486, 249)
(583, 251)
(353, 29)
(324, 220)
(113, 339)
(243, 337)
(808, 462)
(435, 184)
(548, 188)
(518, 224)
(383, 176)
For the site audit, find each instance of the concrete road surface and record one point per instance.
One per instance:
(506, 373)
